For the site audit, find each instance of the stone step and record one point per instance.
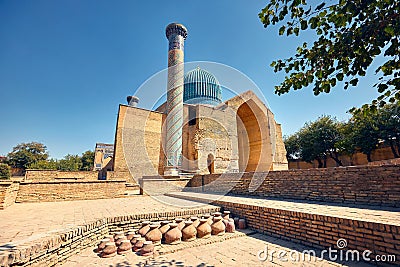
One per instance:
(319, 225)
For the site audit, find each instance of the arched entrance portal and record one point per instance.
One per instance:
(249, 138)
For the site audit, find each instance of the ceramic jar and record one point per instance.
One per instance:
(111, 237)
(164, 226)
(189, 232)
(209, 218)
(226, 215)
(236, 220)
(204, 229)
(180, 222)
(217, 214)
(144, 228)
(119, 233)
(147, 249)
(139, 244)
(110, 250)
(124, 247)
(102, 245)
(135, 238)
(230, 226)
(154, 235)
(218, 227)
(130, 234)
(120, 239)
(242, 224)
(174, 235)
(195, 221)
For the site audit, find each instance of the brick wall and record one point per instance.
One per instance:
(49, 175)
(319, 231)
(378, 185)
(8, 193)
(69, 190)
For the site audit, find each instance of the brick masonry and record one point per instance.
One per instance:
(8, 193)
(50, 175)
(378, 185)
(56, 247)
(314, 230)
(69, 190)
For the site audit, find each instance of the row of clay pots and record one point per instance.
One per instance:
(181, 230)
(151, 234)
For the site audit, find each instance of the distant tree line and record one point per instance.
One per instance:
(363, 132)
(34, 155)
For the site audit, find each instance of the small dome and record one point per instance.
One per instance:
(201, 87)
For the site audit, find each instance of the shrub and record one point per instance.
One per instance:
(5, 172)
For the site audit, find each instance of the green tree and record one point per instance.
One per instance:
(70, 163)
(365, 132)
(51, 164)
(388, 120)
(350, 34)
(25, 154)
(292, 146)
(87, 160)
(5, 172)
(316, 141)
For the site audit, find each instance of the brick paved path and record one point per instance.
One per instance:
(369, 214)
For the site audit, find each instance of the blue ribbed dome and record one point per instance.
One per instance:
(201, 87)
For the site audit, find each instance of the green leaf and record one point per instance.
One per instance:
(303, 25)
(354, 82)
(282, 30)
(339, 76)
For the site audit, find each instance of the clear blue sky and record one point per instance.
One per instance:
(66, 65)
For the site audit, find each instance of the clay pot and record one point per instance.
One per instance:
(164, 227)
(195, 221)
(218, 227)
(209, 218)
(111, 237)
(230, 226)
(116, 234)
(139, 244)
(189, 232)
(204, 229)
(130, 234)
(124, 247)
(135, 238)
(154, 235)
(217, 214)
(180, 222)
(147, 249)
(174, 235)
(236, 220)
(102, 245)
(242, 224)
(110, 250)
(119, 240)
(226, 215)
(144, 228)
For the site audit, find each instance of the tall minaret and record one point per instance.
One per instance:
(176, 34)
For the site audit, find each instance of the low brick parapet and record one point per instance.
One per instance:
(69, 190)
(314, 224)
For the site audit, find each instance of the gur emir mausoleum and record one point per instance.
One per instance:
(195, 131)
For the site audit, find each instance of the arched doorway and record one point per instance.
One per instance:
(249, 138)
(210, 163)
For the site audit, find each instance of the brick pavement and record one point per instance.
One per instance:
(366, 213)
(24, 222)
